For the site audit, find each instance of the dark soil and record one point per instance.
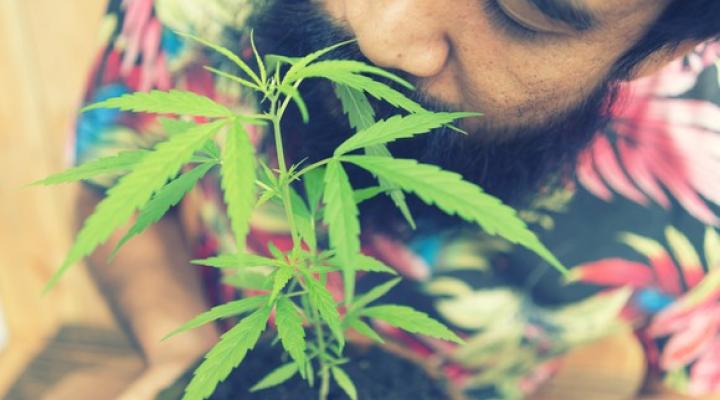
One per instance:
(377, 374)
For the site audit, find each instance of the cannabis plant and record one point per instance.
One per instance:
(311, 326)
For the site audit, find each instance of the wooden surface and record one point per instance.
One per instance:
(46, 48)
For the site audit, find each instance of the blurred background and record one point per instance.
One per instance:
(46, 342)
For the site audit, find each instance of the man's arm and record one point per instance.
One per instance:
(152, 289)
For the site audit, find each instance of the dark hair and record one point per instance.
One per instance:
(681, 21)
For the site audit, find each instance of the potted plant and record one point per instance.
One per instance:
(311, 329)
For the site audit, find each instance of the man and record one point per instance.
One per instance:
(546, 74)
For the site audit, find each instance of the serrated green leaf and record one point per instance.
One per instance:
(370, 264)
(398, 127)
(345, 383)
(364, 329)
(290, 330)
(314, 182)
(274, 61)
(111, 164)
(134, 190)
(375, 89)
(252, 280)
(367, 193)
(222, 311)
(356, 106)
(341, 217)
(239, 261)
(234, 78)
(173, 102)
(303, 219)
(238, 181)
(323, 301)
(282, 277)
(167, 197)
(412, 321)
(276, 377)
(393, 190)
(226, 355)
(228, 54)
(299, 102)
(323, 68)
(258, 59)
(300, 64)
(373, 294)
(448, 191)
(174, 126)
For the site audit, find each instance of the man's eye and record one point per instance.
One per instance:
(505, 22)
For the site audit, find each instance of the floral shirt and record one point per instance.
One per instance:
(638, 223)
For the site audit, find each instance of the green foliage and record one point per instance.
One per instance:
(294, 280)
(168, 196)
(227, 354)
(238, 181)
(345, 383)
(276, 377)
(173, 102)
(341, 216)
(290, 330)
(226, 310)
(411, 320)
(120, 162)
(452, 194)
(134, 190)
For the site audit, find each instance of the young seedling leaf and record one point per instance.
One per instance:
(238, 181)
(258, 58)
(375, 89)
(398, 127)
(314, 184)
(229, 54)
(226, 310)
(173, 102)
(393, 190)
(282, 277)
(356, 106)
(276, 377)
(322, 68)
(412, 321)
(238, 261)
(373, 294)
(106, 165)
(134, 190)
(341, 217)
(167, 197)
(290, 330)
(345, 383)
(322, 300)
(226, 355)
(364, 329)
(455, 196)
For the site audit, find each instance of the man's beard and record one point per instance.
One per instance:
(533, 159)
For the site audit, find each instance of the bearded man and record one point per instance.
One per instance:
(599, 124)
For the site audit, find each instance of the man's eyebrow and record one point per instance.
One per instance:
(567, 12)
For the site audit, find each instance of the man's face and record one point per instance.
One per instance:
(537, 69)
(519, 62)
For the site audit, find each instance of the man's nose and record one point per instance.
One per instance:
(401, 34)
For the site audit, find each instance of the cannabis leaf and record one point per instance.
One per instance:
(117, 163)
(322, 300)
(282, 277)
(373, 294)
(227, 354)
(375, 89)
(276, 377)
(168, 196)
(364, 329)
(456, 196)
(134, 190)
(345, 383)
(341, 216)
(290, 330)
(323, 68)
(226, 310)
(398, 127)
(238, 181)
(412, 321)
(172, 102)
